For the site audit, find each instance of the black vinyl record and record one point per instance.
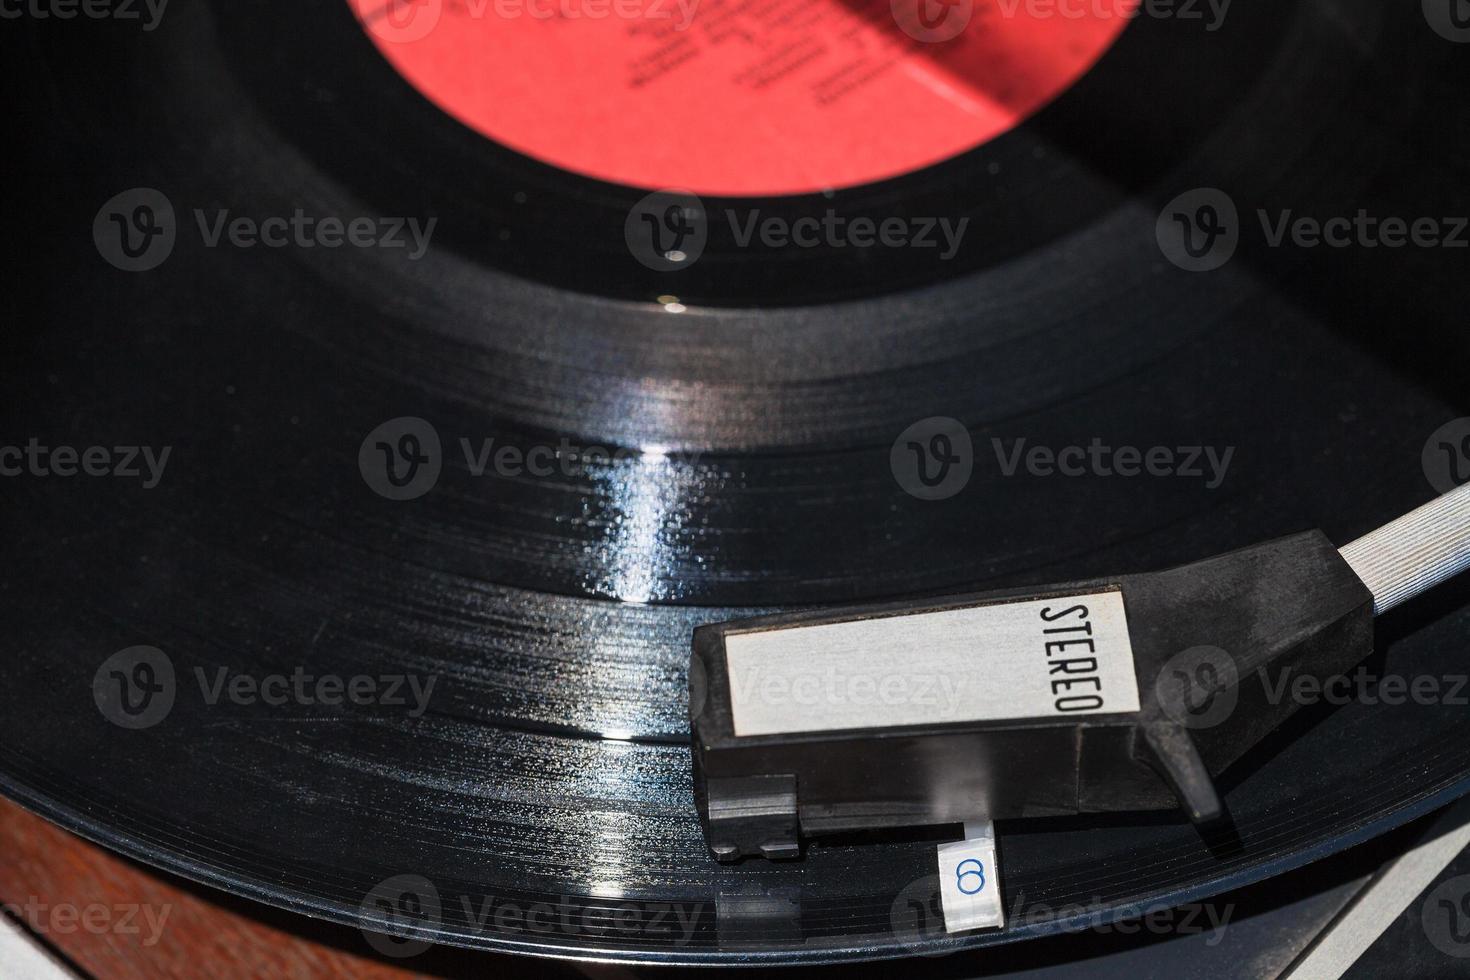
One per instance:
(733, 425)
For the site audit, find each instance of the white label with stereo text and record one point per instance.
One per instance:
(1063, 656)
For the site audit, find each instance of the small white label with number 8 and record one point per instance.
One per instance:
(969, 881)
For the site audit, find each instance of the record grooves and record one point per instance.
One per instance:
(746, 444)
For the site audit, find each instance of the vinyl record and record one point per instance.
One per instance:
(484, 482)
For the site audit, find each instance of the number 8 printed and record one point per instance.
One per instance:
(977, 872)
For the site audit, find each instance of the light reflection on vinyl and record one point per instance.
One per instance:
(749, 467)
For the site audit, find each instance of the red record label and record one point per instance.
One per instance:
(742, 97)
